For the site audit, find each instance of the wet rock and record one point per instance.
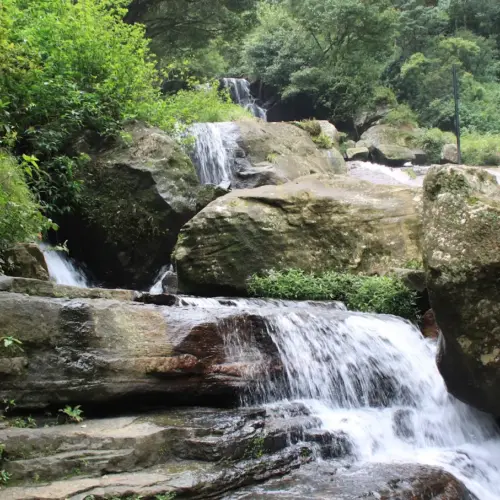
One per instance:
(113, 354)
(26, 260)
(361, 154)
(176, 451)
(326, 481)
(313, 223)
(430, 328)
(462, 258)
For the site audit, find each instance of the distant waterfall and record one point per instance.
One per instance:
(62, 269)
(239, 89)
(214, 151)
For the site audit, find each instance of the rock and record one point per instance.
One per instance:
(462, 259)
(337, 161)
(26, 260)
(326, 480)
(194, 451)
(313, 223)
(449, 154)
(349, 144)
(393, 146)
(392, 154)
(430, 328)
(137, 194)
(361, 154)
(330, 131)
(274, 153)
(111, 353)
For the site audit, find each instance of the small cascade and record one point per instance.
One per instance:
(214, 151)
(62, 269)
(371, 377)
(239, 89)
(382, 174)
(165, 281)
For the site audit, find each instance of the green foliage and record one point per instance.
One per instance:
(402, 115)
(481, 149)
(432, 142)
(9, 342)
(255, 448)
(23, 423)
(378, 294)
(323, 141)
(74, 414)
(4, 477)
(312, 127)
(20, 218)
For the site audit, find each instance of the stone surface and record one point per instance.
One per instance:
(449, 154)
(328, 480)
(137, 194)
(329, 129)
(114, 354)
(361, 154)
(393, 146)
(314, 223)
(196, 452)
(274, 153)
(430, 328)
(462, 258)
(27, 261)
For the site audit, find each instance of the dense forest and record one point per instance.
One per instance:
(72, 68)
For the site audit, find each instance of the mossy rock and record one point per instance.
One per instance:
(462, 258)
(136, 196)
(314, 223)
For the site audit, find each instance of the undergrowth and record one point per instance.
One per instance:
(376, 294)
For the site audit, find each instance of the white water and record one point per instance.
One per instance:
(374, 378)
(214, 151)
(382, 174)
(239, 89)
(165, 271)
(62, 269)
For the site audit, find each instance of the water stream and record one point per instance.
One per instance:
(62, 269)
(375, 378)
(239, 88)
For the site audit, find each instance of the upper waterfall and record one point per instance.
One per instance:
(241, 94)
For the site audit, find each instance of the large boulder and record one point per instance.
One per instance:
(275, 153)
(26, 260)
(313, 223)
(112, 352)
(462, 258)
(393, 146)
(137, 194)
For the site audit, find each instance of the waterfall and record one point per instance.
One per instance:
(214, 151)
(373, 378)
(62, 269)
(383, 174)
(239, 89)
(165, 281)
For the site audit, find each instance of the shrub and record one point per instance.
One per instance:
(20, 218)
(323, 141)
(480, 149)
(402, 115)
(377, 294)
(312, 127)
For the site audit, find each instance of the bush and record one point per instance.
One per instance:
(401, 116)
(20, 218)
(377, 294)
(323, 141)
(481, 149)
(312, 127)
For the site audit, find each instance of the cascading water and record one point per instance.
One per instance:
(383, 174)
(241, 94)
(375, 379)
(214, 151)
(62, 269)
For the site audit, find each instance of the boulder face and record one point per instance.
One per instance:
(26, 260)
(109, 353)
(313, 223)
(275, 153)
(136, 196)
(392, 146)
(462, 259)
